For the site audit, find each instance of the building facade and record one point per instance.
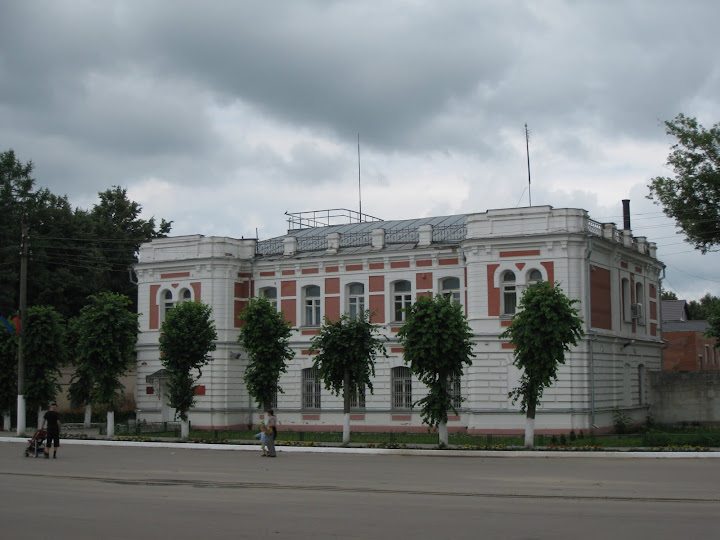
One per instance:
(687, 347)
(484, 261)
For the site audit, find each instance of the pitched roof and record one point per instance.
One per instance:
(674, 310)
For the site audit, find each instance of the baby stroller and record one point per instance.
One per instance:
(36, 445)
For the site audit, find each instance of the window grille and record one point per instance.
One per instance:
(310, 389)
(401, 388)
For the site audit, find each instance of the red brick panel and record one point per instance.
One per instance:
(287, 306)
(288, 288)
(310, 270)
(377, 308)
(242, 290)
(332, 285)
(448, 262)
(653, 311)
(493, 292)
(238, 309)
(600, 299)
(172, 275)
(423, 280)
(332, 308)
(550, 269)
(154, 308)
(196, 287)
(400, 264)
(288, 272)
(423, 263)
(353, 267)
(523, 253)
(267, 274)
(377, 266)
(377, 283)
(329, 269)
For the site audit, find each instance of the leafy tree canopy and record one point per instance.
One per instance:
(105, 336)
(713, 320)
(188, 336)
(692, 195)
(542, 331)
(74, 252)
(44, 351)
(346, 351)
(8, 369)
(701, 310)
(668, 295)
(436, 341)
(264, 334)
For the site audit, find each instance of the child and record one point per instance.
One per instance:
(261, 436)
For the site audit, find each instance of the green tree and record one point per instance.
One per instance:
(81, 384)
(106, 335)
(713, 320)
(668, 295)
(264, 334)
(345, 361)
(692, 195)
(16, 186)
(541, 331)
(118, 232)
(700, 310)
(437, 344)
(188, 336)
(8, 372)
(44, 352)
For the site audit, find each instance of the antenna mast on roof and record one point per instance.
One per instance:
(527, 149)
(359, 187)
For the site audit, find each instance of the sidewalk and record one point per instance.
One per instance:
(415, 450)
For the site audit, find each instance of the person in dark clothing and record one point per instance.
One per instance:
(53, 430)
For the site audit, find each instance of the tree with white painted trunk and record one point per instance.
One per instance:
(436, 340)
(542, 331)
(44, 349)
(8, 372)
(264, 335)
(104, 335)
(345, 359)
(187, 339)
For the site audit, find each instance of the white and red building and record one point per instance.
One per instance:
(483, 260)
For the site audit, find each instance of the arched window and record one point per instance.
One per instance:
(356, 300)
(402, 298)
(401, 388)
(534, 277)
(167, 305)
(625, 291)
(271, 294)
(312, 305)
(451, 287)
(509, 293)
(185, 296)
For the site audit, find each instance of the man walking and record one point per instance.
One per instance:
(53, 430)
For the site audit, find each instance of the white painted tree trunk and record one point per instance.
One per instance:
(529, 432)
(443, 433)
(21, 416)
(184, 429)
(40, 417)
(88, 416)
(111, 423)
(346, 429)
(7, 421)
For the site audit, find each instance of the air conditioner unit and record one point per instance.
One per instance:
(636, 311)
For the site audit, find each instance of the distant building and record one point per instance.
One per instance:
(483, 260)
(688, 348)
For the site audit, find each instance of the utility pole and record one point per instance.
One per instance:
(23, 306)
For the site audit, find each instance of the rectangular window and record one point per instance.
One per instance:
(454, 390)
(310, 389)
(357, 398)
(401, 388)
(312, 306)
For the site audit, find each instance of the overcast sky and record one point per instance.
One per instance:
(222, 115)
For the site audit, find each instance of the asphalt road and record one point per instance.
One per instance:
(107, 493)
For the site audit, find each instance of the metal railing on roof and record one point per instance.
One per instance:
(324, 218)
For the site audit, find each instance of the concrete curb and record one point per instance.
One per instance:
(389, 451)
